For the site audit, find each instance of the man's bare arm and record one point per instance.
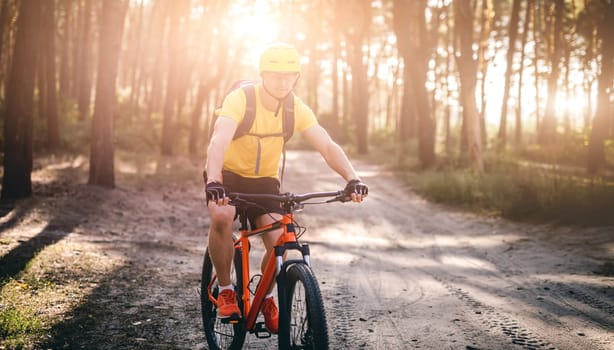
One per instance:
(332, 153)
(223, 132)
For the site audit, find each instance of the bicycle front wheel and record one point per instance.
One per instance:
(302, 321)
(220, 336)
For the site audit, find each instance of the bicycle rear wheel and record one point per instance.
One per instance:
(220, 336)
(302, 322)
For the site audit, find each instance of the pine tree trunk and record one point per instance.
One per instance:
(600, 128)
(48, 48)
(487, 15)
(136, 67)
(67, 38)
(169, 113)
(525, 35)
(548, 128)
(402, 16)
(511, 49)
(102, 148)
(84, 77)
(16, 180)
(3, 52)
(467, 67)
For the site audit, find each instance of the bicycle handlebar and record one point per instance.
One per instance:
(290, 198)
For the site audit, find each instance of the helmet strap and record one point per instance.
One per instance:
(280, 101)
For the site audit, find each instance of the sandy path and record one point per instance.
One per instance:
(396, 272)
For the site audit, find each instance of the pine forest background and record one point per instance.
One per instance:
(503, 106)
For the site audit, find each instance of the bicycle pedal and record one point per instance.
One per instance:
(234, 319)
(260, 331)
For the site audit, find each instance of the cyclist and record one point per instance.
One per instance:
(250, 164)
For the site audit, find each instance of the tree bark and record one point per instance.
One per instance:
(84, 77)
(511, 49)
(4, 10)
(356, 30)
(600, 127)
(48, 49)
(467, 67)
(67, 38)
(102, 148)
(548, 127)
(487, 15)
(171, 110)
(525, 35)
(16, 180)
(401, 20)
(136, 69)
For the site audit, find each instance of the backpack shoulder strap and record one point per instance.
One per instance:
(250, 111)
(288, 115)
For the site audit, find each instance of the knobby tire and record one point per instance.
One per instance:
(303, 320)
(220, 336)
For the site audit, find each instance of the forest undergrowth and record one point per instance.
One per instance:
(535, 184)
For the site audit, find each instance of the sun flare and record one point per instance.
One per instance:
(256, 26)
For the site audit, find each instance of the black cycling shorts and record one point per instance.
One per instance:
(236, 183)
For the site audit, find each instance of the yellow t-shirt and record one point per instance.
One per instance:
(242, 153)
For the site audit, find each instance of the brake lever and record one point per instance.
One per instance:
(239, 201)
(341, 197)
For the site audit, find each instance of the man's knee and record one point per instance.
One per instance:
(221, 220)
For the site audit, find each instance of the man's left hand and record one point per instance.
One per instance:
(356, 190)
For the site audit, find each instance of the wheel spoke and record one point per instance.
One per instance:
(305, 307)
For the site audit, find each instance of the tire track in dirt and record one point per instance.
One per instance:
(341, 316)
(492, 318)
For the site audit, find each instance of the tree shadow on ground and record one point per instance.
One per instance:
(58, 227)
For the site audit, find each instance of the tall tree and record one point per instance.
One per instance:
(548, 127)
(487, 18)
(402, 13)
(48, 50)
(357, 29)
(84, 77)
(523, 43)
(172, 105)
(600, 127)
(416, 49)
(511, 49)
(467, 67)
(4, 21)
(135, 87)
(67, 38)
(16, 180)
(211, 68)
(102, 148)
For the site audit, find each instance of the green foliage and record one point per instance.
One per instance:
(521, 193)
(568, 150)
(18, 325)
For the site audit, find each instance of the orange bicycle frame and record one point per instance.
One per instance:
(250, 310)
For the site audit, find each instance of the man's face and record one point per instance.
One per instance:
(279, 84)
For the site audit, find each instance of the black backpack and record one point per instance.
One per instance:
(249, 89)
(243, 128)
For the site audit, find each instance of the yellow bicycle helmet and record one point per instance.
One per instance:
(282, 58)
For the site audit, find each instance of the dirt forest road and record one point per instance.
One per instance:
(396, 272)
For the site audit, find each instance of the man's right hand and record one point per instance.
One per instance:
(216, 193)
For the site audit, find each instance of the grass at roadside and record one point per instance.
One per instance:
(57, 280)
(510, 187)
(520, 194)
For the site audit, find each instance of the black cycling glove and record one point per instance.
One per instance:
(355, 186)
(215, 191)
